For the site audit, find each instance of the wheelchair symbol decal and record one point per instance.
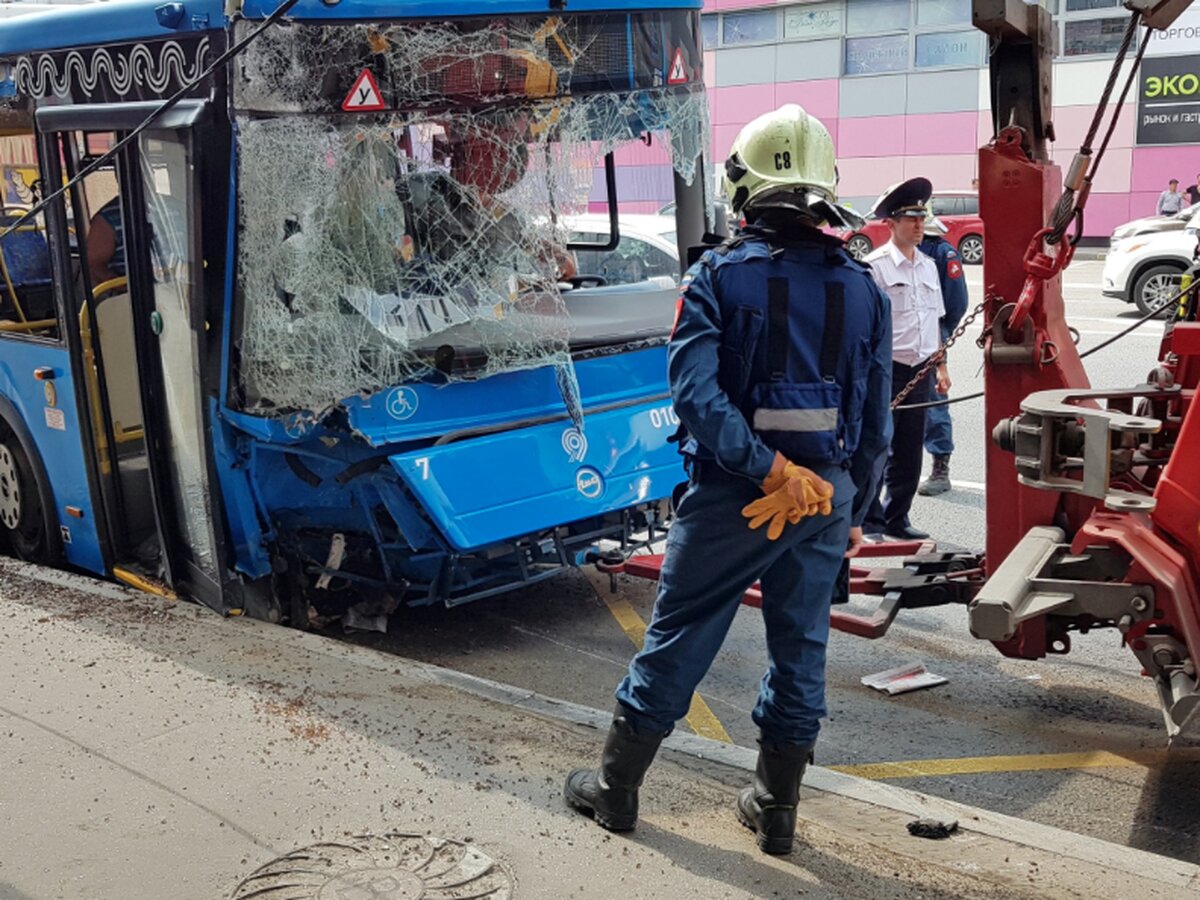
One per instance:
(402, 403)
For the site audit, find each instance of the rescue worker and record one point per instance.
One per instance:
(780, 368)
(939, 432)
(910, 280)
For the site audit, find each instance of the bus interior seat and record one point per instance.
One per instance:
(26, 257)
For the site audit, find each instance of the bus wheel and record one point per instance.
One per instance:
(20, 504)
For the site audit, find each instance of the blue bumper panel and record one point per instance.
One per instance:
(497, 487)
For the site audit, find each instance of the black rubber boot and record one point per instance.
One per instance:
(769, 807)
(610, 793)
(938, 481)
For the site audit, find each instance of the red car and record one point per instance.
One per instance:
(957, 210)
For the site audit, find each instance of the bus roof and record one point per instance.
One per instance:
(126, 20)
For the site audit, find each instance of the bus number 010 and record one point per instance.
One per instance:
(664, 417)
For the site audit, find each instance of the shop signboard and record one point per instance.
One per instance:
(1168, 107)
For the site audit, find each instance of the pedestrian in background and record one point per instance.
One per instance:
(1193, 193)
(1171, 200)
(910, 279)
(939, 431)
(780, 371)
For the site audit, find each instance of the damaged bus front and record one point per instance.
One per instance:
(329, 333)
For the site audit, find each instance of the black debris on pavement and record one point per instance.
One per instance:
(934, 829)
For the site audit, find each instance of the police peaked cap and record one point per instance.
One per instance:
(908, 198)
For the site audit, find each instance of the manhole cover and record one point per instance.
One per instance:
(390, 866)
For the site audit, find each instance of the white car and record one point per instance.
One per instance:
(646, 249)
(1145, 269)
(1150, 224)
(627, 293)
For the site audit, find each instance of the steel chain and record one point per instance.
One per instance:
(940, 355)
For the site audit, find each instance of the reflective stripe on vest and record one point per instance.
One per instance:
(796, 419)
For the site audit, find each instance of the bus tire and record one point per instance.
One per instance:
(21, 515)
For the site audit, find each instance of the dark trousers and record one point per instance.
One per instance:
(939, 431)
(902, 466)
(712, 557)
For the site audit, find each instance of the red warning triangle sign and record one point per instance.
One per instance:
(365, 96)
(678, 71)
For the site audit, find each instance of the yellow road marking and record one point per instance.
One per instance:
(979, 765)
(699, 717)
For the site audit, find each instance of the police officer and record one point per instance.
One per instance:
(910, 280)
(780, 370)
(939, 432)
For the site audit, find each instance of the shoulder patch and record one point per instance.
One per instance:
(688, 276)
(954, 268)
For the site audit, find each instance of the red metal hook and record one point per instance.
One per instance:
(1039, 266)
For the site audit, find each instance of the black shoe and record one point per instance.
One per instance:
(610, 794)
(907, 533)
(938, 481)
(769, 806)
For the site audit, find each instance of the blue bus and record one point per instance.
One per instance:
(306, 326)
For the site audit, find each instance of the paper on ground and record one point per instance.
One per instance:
(903, 679)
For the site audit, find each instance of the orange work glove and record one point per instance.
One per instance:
(791, 493)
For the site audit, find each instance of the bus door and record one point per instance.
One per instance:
(142, 337)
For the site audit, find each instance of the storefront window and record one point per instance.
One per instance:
(943, 12)
(951, 48)
(813, 20)
(867, 16)
(749, 27)
(1087, 36)
(710, 25)
(887, 53)
(1075, 5)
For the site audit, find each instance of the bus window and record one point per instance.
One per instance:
(27, 305)
(374, 251)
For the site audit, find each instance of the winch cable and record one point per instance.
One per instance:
(166, 105)
(1163, 304)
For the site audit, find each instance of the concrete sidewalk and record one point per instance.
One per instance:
(158, 751)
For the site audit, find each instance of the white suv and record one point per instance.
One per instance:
(1145, 269)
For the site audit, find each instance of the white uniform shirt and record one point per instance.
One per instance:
(916, 296)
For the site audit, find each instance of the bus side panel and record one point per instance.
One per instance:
(497, 487)
(55, 431)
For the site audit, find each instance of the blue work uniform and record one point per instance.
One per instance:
(779, 345)
(939, 434)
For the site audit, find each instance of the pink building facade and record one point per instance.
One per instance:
(902, 86)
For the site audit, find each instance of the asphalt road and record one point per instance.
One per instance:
(1075, 741)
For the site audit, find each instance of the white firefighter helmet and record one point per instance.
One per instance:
(785, 159)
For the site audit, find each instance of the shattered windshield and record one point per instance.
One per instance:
(432, 235)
